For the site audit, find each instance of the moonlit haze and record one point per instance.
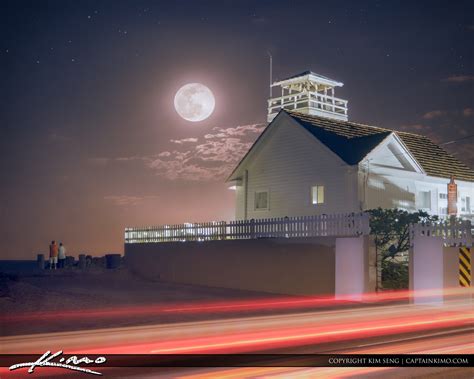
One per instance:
(104, 124)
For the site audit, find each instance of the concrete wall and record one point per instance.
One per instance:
(354, 274)
(294, 266)
(426, 271)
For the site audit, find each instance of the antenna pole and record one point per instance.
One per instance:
(271, 74)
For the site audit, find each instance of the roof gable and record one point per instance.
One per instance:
(352, 142)
(392, 153)
(434, 159)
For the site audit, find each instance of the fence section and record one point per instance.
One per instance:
(453, 232)
(353, 224)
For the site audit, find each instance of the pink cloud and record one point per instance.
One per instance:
(434, 114)
(184, 140)
(468, 112)
(209, 160)
(459, 79)
(126, 200)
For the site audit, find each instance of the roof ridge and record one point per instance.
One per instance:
(356, 123)
(412, 134)
(292, 112)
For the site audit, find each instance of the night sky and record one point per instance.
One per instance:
(91, 141)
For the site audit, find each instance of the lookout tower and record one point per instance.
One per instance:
(308, 93)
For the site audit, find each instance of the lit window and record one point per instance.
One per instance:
(425, 199)
(317, 195)
(261, 200)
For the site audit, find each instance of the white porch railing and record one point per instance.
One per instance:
(453, 232)
(353, 224)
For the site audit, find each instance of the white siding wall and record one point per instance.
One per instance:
(391, 188)
(288, 162)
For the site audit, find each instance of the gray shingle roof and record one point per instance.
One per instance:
(352, 142)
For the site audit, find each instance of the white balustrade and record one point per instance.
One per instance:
(351, 224)
(454, 232)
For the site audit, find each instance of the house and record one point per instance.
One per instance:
(311, 160)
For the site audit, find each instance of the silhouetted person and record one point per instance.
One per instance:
(61, 255)
(53, 255)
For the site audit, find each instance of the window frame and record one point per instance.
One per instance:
(311, 199)
(421, 199)
(255, 200)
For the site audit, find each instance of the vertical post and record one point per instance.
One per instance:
(252, 229)
(325, 98)
(426, 269)
(271, 72)
(246, 190)
(351, 267)
(378, 268)
(82, 261)
(40, 261)
(332, 100)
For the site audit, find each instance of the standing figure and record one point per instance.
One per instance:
(61, 255)
(53, 255)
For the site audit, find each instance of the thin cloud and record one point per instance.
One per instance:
(468, 112)
(184, 140)
(459, 79)
(126, 200)
(414, 128)
(210, 158)
(56, 137)
(99, 161)
(434, 114)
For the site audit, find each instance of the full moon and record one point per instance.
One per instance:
(194, 102)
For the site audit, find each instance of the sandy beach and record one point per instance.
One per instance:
(73, 291)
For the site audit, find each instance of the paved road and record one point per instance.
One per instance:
(372, 329)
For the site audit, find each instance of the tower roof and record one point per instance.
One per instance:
(311, 76)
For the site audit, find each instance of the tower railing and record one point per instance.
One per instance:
(316, 101)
